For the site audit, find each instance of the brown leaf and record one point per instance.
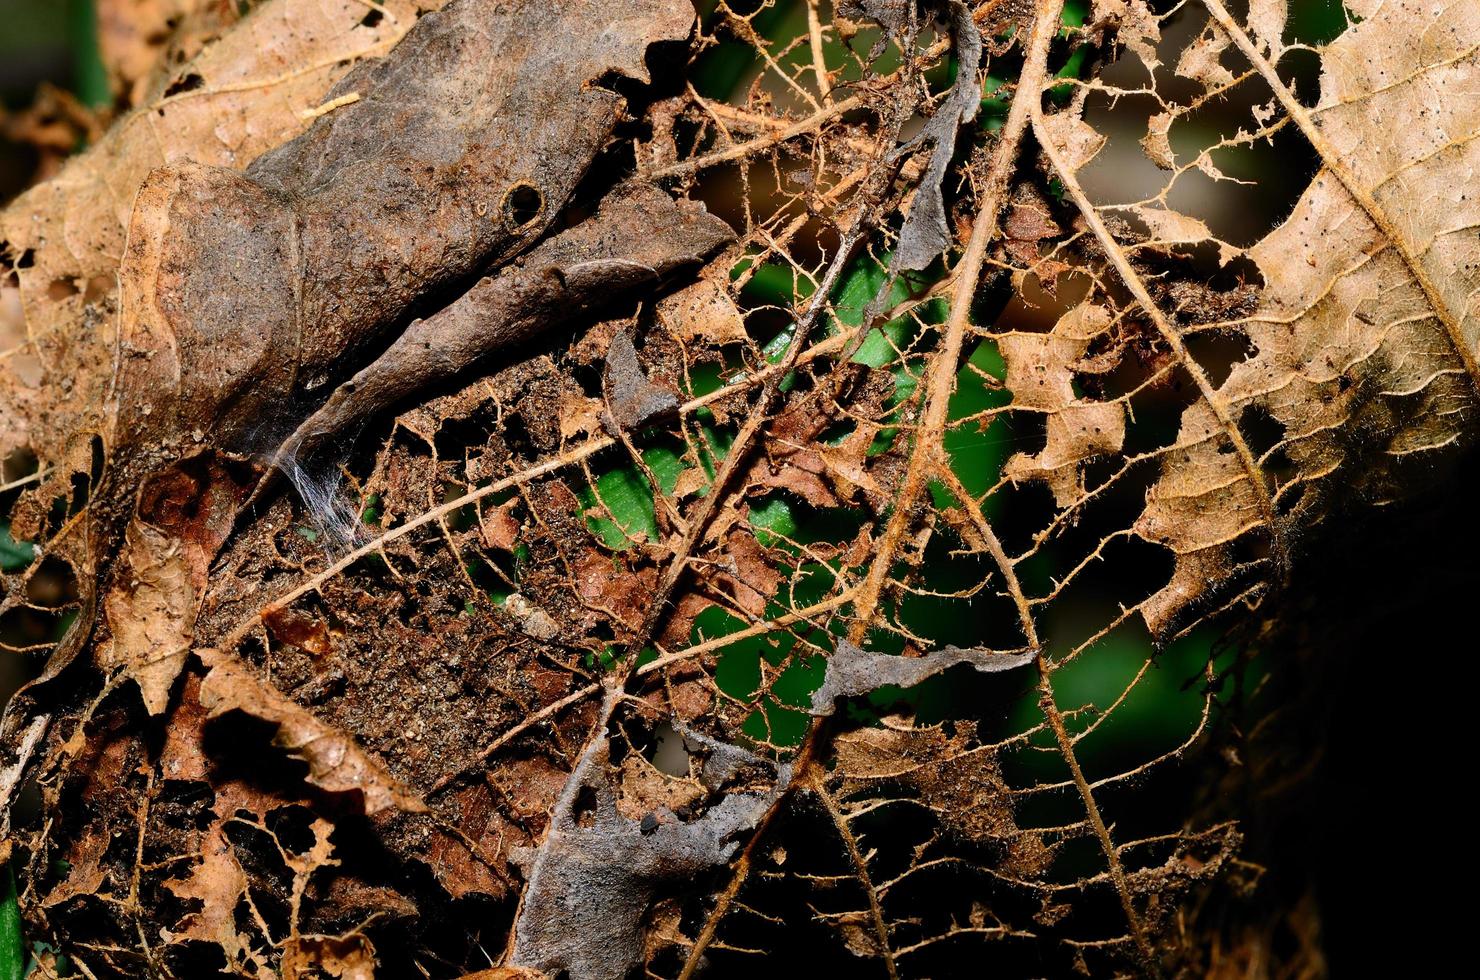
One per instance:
(441, 196)
(1027, 222)
(608, 587)
(638, 237)
(752, 582)
(218, 884)
(499, 526)
(308, 633)
(1171, 420)
(335, 762)
(238, 97)
(959, 780)
(347, 957)
(184, 515)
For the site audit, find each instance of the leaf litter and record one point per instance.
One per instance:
(690, 490)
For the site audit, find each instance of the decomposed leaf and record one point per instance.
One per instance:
(237, 98)
(669, 397)
(852, 671)
(335, 762)
(593, 878)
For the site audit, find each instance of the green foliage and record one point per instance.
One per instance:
(627, 496)
(89, 78)
(12, 947)
(14, 555)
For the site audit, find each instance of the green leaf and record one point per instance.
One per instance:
(772, 515)
(776, 724)
(801, 678)
(89, 77)
(666, 465)
(12, 949)
(629, 499)
(859, 286)
(777, 284)
(724, 65)
(738, 671)
(977, 456)
(14, 555)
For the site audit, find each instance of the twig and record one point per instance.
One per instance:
(713, 159)
(819, 63)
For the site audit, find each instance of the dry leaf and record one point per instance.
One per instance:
(335, 762)
(1084, 425)
(63, 239)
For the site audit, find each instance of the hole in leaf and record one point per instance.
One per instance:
(1261, 430)
(1218, 353)
(522, 205)
(669, 754)
(61, 289)
(189, 83)
(53, 584)
(584, 809)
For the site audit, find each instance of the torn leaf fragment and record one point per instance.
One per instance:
(852, 671)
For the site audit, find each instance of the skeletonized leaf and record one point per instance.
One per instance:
(1364, 338)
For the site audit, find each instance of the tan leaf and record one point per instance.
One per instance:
(1267, 24)
(703, 311)
(153, 615)
(1202, 60)
(218, 883)
(1157, 141)
(1040, 375)
(185, 514)
(579, 415)
(1365, 323)
(1137, 27)
(347, 957)
(142, 42)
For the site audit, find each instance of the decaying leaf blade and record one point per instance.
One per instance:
(589, 610)
(335, 762)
